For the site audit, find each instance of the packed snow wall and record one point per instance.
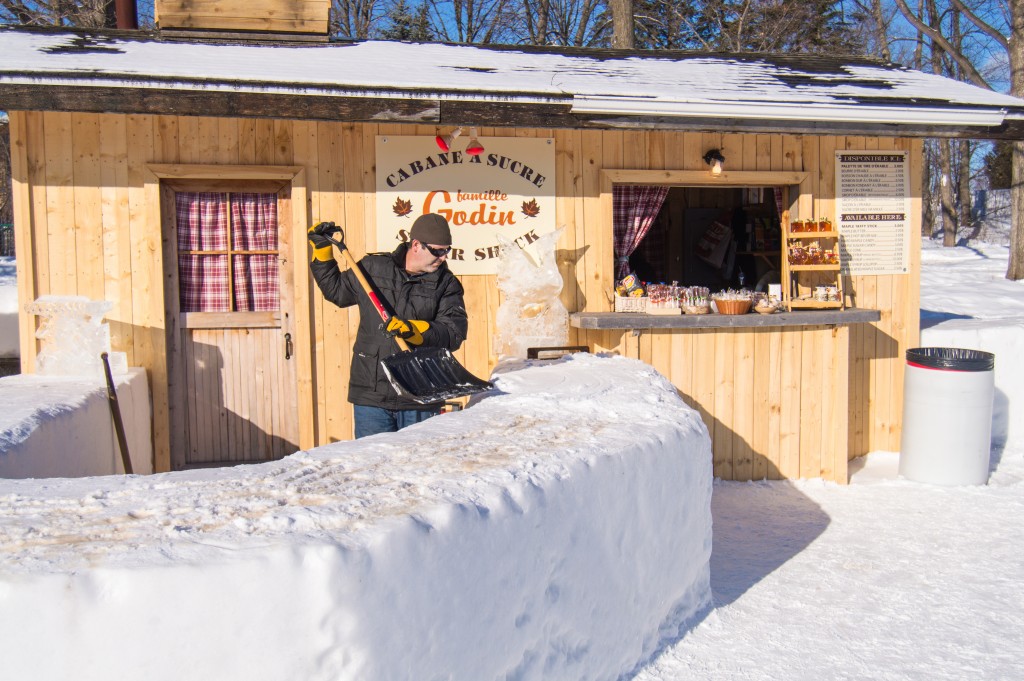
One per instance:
(560, 528)
(1003, 338)
(61, 426)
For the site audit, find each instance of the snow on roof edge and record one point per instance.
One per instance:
(670, 85)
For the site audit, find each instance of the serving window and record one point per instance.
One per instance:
(699, 229)
(701, 236)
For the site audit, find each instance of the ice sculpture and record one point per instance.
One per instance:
(73, 336)
(531, 314)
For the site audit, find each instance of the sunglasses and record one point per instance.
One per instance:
(437, 252)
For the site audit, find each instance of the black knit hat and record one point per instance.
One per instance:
(431, 228)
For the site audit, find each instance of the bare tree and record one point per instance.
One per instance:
(355, 19)
(6, 215)
(81, 13)
(483, 22)
(1002, 24)
(1015, 48)
(745, 26)
(623, 31)
(577, 23)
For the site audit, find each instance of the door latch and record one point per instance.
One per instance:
(287, 346)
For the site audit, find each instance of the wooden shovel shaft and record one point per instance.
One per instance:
(427, 375)
(115, 413)
(358, 271)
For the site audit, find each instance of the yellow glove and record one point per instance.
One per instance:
(411, 330)
(318, 234)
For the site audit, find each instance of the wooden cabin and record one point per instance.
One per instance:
(114, 137)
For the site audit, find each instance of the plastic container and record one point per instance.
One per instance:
(947, 416)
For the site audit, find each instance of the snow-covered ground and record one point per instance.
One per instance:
(885, 578)
(881, 579)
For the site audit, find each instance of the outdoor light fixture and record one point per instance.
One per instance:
(444, 142)
(715, 159)
(474, 148)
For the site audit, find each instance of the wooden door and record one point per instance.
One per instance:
(231, 358)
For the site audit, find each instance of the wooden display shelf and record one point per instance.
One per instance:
(797, 280)
(814, 268)
(813, 235)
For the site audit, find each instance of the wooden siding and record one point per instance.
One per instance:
(88, 222)
(274, 16)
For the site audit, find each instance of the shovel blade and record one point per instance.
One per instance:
(429, 375)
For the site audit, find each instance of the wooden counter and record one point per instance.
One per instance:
(774, 390)
(638, 320)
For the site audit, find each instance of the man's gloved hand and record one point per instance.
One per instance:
(411, 330)
(318, 234)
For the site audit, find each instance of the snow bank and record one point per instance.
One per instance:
(1005, 339)
(56, 426)
(8, 308)
(560, 528)
(967, 302)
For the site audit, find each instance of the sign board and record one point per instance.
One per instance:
(507, 190)
(873, 211)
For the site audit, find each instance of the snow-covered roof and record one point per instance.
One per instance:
(492, 86)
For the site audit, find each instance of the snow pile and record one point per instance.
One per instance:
(61, 426)
(560, 528)
(967, 302)
(8, 308)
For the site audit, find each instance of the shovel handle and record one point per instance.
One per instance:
(365, 283)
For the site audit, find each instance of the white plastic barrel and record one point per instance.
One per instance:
(947, 416)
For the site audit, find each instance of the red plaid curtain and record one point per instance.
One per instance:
(634, 209)
(203, 225)
(255, 275)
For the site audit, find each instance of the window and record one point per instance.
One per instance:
(712, 236)
(227, 251)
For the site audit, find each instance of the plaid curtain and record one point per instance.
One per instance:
(202, 226)
(202, 219)
(634, 209)
(255, 276)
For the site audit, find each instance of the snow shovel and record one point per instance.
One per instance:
(424, 374)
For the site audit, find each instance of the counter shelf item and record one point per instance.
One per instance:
(630, 304)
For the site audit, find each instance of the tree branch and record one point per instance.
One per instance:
(940, 40)
(982, 25)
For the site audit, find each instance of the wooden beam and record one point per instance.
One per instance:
(427, 108)
(703, 178)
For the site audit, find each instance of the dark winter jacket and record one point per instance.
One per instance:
(435, 297)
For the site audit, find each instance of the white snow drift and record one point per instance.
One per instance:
(558, 529)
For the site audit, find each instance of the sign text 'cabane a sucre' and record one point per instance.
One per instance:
(504, 191)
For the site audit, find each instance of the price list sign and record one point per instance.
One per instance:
(873, 211)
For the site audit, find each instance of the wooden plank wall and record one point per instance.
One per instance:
(84, 228)
(277, 16)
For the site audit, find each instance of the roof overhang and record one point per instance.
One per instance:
(495, 87)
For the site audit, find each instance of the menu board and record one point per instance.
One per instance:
(873, 211)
